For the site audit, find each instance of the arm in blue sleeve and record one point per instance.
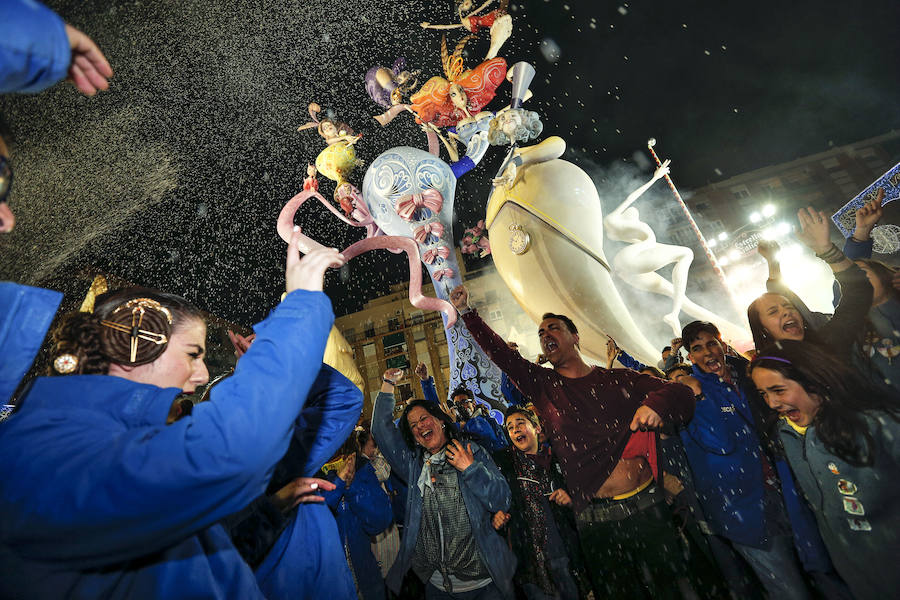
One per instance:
(629, 361)
(486, 482)
(484, 431)
(430, 391)
(369, 502)
(34, 47)
(388, 437)
(150, 487)
(511, 392)
(856, 250)
(327, 420)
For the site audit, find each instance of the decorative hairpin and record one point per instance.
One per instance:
(138, 307)
(65, 364)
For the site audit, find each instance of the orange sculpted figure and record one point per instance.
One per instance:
(446, 101)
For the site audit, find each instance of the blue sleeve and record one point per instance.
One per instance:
(485, 432)
(369, 502)
(25, 315)
(486, 482)
(430, 391)
(327, 420)
(388, 437)
(34, 47)
(629, 361)
(511, 392)
(149, 487)
(855, 250)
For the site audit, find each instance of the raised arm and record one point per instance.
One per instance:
(525, 374)
(859, 245)
(220, 458)
(389, 439)
(660, 172)
(328, 418)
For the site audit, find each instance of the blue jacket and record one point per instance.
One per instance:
(863, 547)
(100, 498)
(34, 47)
(485, 430)
(483, 488)
(305, 560)
(724, 453)
(362, 510)
(25, 315)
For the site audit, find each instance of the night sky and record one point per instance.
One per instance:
(174, 177)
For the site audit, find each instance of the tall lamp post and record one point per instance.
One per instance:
(687, 213)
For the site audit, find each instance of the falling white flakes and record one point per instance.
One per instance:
(622, 10)
(724, 47)
(550, 50)
(593, 26)
(717, 171)
(566, 7)
(706, 52)
(684, 25)
(734, 109)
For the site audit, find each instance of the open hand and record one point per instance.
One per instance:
(461, 458)
(308, 273)
(645, 418)
(814, 229)
(300, 491)
(89, 69)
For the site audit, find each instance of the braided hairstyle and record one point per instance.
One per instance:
(105, 335)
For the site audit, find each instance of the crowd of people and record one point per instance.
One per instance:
(709, 475)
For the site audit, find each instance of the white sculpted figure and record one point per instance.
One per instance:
(637, 264)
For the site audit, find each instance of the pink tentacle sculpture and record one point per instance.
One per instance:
(416, 297)
(396, 244)
(430, 199)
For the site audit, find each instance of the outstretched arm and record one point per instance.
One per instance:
(661, 172)
(427, 25)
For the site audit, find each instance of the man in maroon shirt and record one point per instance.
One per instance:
(597, 421)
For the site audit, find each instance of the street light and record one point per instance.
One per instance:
(784, 228)
(723, 236)
(734, 255)
(755, 217)
(712, 243)
(768, 210)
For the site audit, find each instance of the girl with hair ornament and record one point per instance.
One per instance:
(136, 502)
(841, 437)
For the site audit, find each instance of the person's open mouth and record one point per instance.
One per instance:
(792, 327)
